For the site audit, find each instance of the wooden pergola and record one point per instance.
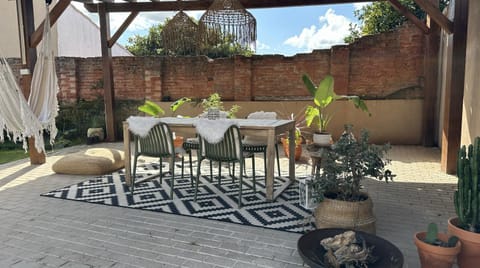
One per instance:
(451, 131)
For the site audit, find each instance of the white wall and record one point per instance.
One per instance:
(78, 36)
(471, 98)
(9, 41)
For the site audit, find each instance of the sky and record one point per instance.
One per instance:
(285, 31)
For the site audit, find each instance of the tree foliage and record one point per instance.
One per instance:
(152, 44)
(380, 16)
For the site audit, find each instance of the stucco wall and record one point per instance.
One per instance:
(471, 99)
(393, 121)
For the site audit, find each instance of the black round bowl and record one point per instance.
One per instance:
(309, 248)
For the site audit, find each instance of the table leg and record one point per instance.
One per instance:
(126, 149)
(270, 165)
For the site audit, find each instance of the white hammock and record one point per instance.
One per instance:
(16, 116)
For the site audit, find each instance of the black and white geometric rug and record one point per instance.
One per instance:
(213, 201)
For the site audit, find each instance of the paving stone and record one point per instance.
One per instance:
(37, 231)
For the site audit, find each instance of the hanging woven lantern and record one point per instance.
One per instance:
(179, 35)
(227, 22)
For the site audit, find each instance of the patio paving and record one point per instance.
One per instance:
(37, 231)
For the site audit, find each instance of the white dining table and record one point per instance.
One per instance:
(269, 128)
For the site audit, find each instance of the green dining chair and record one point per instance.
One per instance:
(228, 150)
(157, 143)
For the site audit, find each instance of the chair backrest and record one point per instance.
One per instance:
(157, 143)
(255, 139)
(262, 115)
(229, 149)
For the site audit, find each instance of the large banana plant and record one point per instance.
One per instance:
(323, 95)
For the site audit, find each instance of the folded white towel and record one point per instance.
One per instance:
(141, 125)
(213, 130)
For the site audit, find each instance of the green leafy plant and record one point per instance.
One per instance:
(214, 101)
(323, 96)
(151, 108)
(467, 197)
(347, 163)
(432, 237)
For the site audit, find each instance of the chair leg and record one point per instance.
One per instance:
(240, 188)
(199, 163)
(183, 165)
(219, 173)
(172, 171)
(253, 173)
(161, 170)
(211, 171)
(134, 173)
(265, 166)
(278, 160)
(191, 170)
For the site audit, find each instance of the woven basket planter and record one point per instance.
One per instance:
(358, 215)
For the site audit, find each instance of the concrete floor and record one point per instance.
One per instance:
(37, 231)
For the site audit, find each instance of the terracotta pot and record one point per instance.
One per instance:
(435, 256)
(469, 256)
(298, 149)
(358, 215)
(178, 142)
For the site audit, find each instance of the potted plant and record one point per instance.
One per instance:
(323, 96)
(436, 250)
(466, 226)
(338, 187)
(298, 144)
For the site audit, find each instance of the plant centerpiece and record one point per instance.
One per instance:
(466, 226)
(436, 249)
(323, 96)
(338, 186)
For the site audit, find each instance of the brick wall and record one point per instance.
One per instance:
(374, 66)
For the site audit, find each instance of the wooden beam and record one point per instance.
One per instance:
(55, 13)
(204, 4)
(28, 23)
(452, 123)
(432, 49)
(409, 15)
(122, 28)
(434, 12)
(108, 86)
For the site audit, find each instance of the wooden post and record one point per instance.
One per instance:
(30, 53)
(432, 46)
(452, 124)
(108, 87)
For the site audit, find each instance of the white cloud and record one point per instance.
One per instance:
(357, 6)
(331, 30)
(261, 45)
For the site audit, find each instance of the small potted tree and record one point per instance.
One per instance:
(436, 250)
(338, 186)
(466, 226)
(323, 96)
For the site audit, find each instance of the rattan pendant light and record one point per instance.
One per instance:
(179, 35)
(227, 21)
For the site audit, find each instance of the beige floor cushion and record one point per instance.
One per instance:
(95, 161)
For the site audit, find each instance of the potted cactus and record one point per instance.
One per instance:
(436, 250)
(466, 226)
